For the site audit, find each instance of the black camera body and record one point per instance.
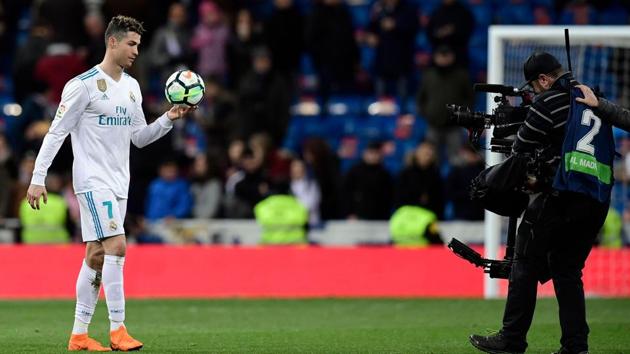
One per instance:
(506, 119)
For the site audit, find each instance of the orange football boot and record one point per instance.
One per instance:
(83, 342)
(121, 340)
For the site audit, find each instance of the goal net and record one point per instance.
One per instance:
(600, 58)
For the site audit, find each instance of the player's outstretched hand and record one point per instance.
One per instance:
(34, 193)
(178, 111)
(589, 97)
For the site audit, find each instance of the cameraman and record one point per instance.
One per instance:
(558, 228)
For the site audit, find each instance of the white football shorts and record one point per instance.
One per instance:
(102, 215)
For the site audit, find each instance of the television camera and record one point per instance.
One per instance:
(506, 120)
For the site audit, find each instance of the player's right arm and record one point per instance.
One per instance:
(74, 100)
(604, 109)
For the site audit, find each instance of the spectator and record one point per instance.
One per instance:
(35, 108)
(189, 138)
(253, 187)
(611, 234)
(444, 83)
(282, 219)
(62, 16)
(420, 182)
(263, 99)
(27, 56)
(284, 33)
(305, 188)
(330, 40)
(7, 167)
(50, 224)
(169, 49)
(60, 64)
(95, 29)
(25, 172)
(206, 189)
(368, 187)
(169, 195)
(578, 12)
(458, 185)
(392, 31)
(323, 162)
(216, 114)
(451, 24)
(276, 163)
(74, 217)
(414, 226)
(235, 152)
(235, 208)
(34, 137)
(246, 37)
(209, 41)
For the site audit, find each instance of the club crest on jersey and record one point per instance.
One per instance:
(132, 97)
(101, 84)
(112, 225)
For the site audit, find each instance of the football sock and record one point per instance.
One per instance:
(114, 291)
(88, 287)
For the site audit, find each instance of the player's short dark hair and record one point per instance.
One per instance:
(120, 25)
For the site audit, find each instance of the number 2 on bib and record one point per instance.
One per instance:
(584, 144)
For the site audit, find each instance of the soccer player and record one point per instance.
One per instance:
(102, 111)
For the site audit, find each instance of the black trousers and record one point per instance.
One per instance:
(553, 241)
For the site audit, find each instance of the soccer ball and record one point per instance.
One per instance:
(184, 87)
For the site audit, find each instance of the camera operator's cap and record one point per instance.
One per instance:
(539, 63)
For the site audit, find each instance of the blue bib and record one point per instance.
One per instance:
(587, 153)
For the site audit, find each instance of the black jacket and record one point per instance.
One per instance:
(544, 127)
(613, 114)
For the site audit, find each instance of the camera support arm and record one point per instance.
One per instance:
(495, 268)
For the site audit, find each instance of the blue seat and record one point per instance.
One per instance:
(427, 6)
(478, 58)
(479, 37)
(393, 164)
(360, 15)
(371, 128)
(306, 65)
(367, 57)
(339, 126)
(422, 42)
(519, 13)
(345, 105)
(419, 129)
(613, 15)
(569, 17)
(482, 11)
(404, 147)
(549, 4)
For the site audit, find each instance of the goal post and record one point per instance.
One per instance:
(600, 57)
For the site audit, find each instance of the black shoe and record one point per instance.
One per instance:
(494, 344)
(564, 350)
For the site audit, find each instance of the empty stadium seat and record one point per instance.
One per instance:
(515, 12)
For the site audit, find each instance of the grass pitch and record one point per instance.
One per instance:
(305, 326)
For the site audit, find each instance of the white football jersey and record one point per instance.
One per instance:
(102, 117)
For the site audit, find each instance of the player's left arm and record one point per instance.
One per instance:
(143, 134)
